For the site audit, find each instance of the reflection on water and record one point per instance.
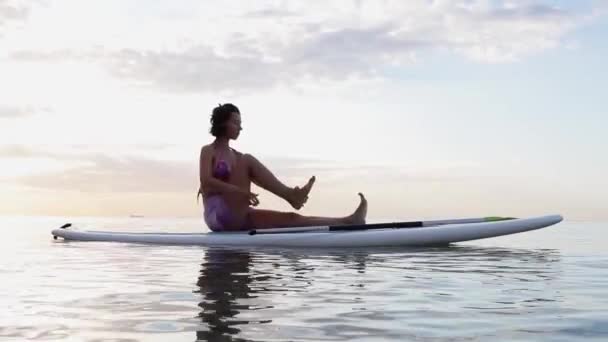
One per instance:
(249, 295)
(53, 290)
(224, 280)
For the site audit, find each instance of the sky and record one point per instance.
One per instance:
(432, 109)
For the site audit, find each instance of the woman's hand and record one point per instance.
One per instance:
(251, 197)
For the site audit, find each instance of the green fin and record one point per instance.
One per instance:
(497, 218)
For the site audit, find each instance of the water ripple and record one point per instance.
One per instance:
(120, 292)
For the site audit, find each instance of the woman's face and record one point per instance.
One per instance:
(233, 126)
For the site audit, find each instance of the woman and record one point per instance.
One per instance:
(225, 184)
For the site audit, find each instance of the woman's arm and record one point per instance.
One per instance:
(208, 182)
(212, 184)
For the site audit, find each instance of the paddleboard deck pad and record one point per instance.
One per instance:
(429, 233)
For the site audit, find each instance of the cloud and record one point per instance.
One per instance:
(275, 13)
(77, 152)
(351, 52)
(197, 69)
(344, 172)
(333, 41)
(100, 173)
(509, 31)
(7, 111)
(332, 56)
(107, 174)
(21, 151)
(12, 10)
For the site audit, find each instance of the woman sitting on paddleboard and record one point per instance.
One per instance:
(226, 176)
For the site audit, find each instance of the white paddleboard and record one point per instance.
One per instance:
(430, 233)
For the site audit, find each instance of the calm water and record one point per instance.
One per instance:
(549, 285)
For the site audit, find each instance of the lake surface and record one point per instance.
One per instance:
(546, 285)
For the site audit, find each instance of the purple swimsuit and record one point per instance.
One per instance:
(216, 212)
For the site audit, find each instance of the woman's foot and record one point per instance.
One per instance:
(358, 217)
(299, 196)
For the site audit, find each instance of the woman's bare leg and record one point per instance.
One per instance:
(263, 177)
(262, 219)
